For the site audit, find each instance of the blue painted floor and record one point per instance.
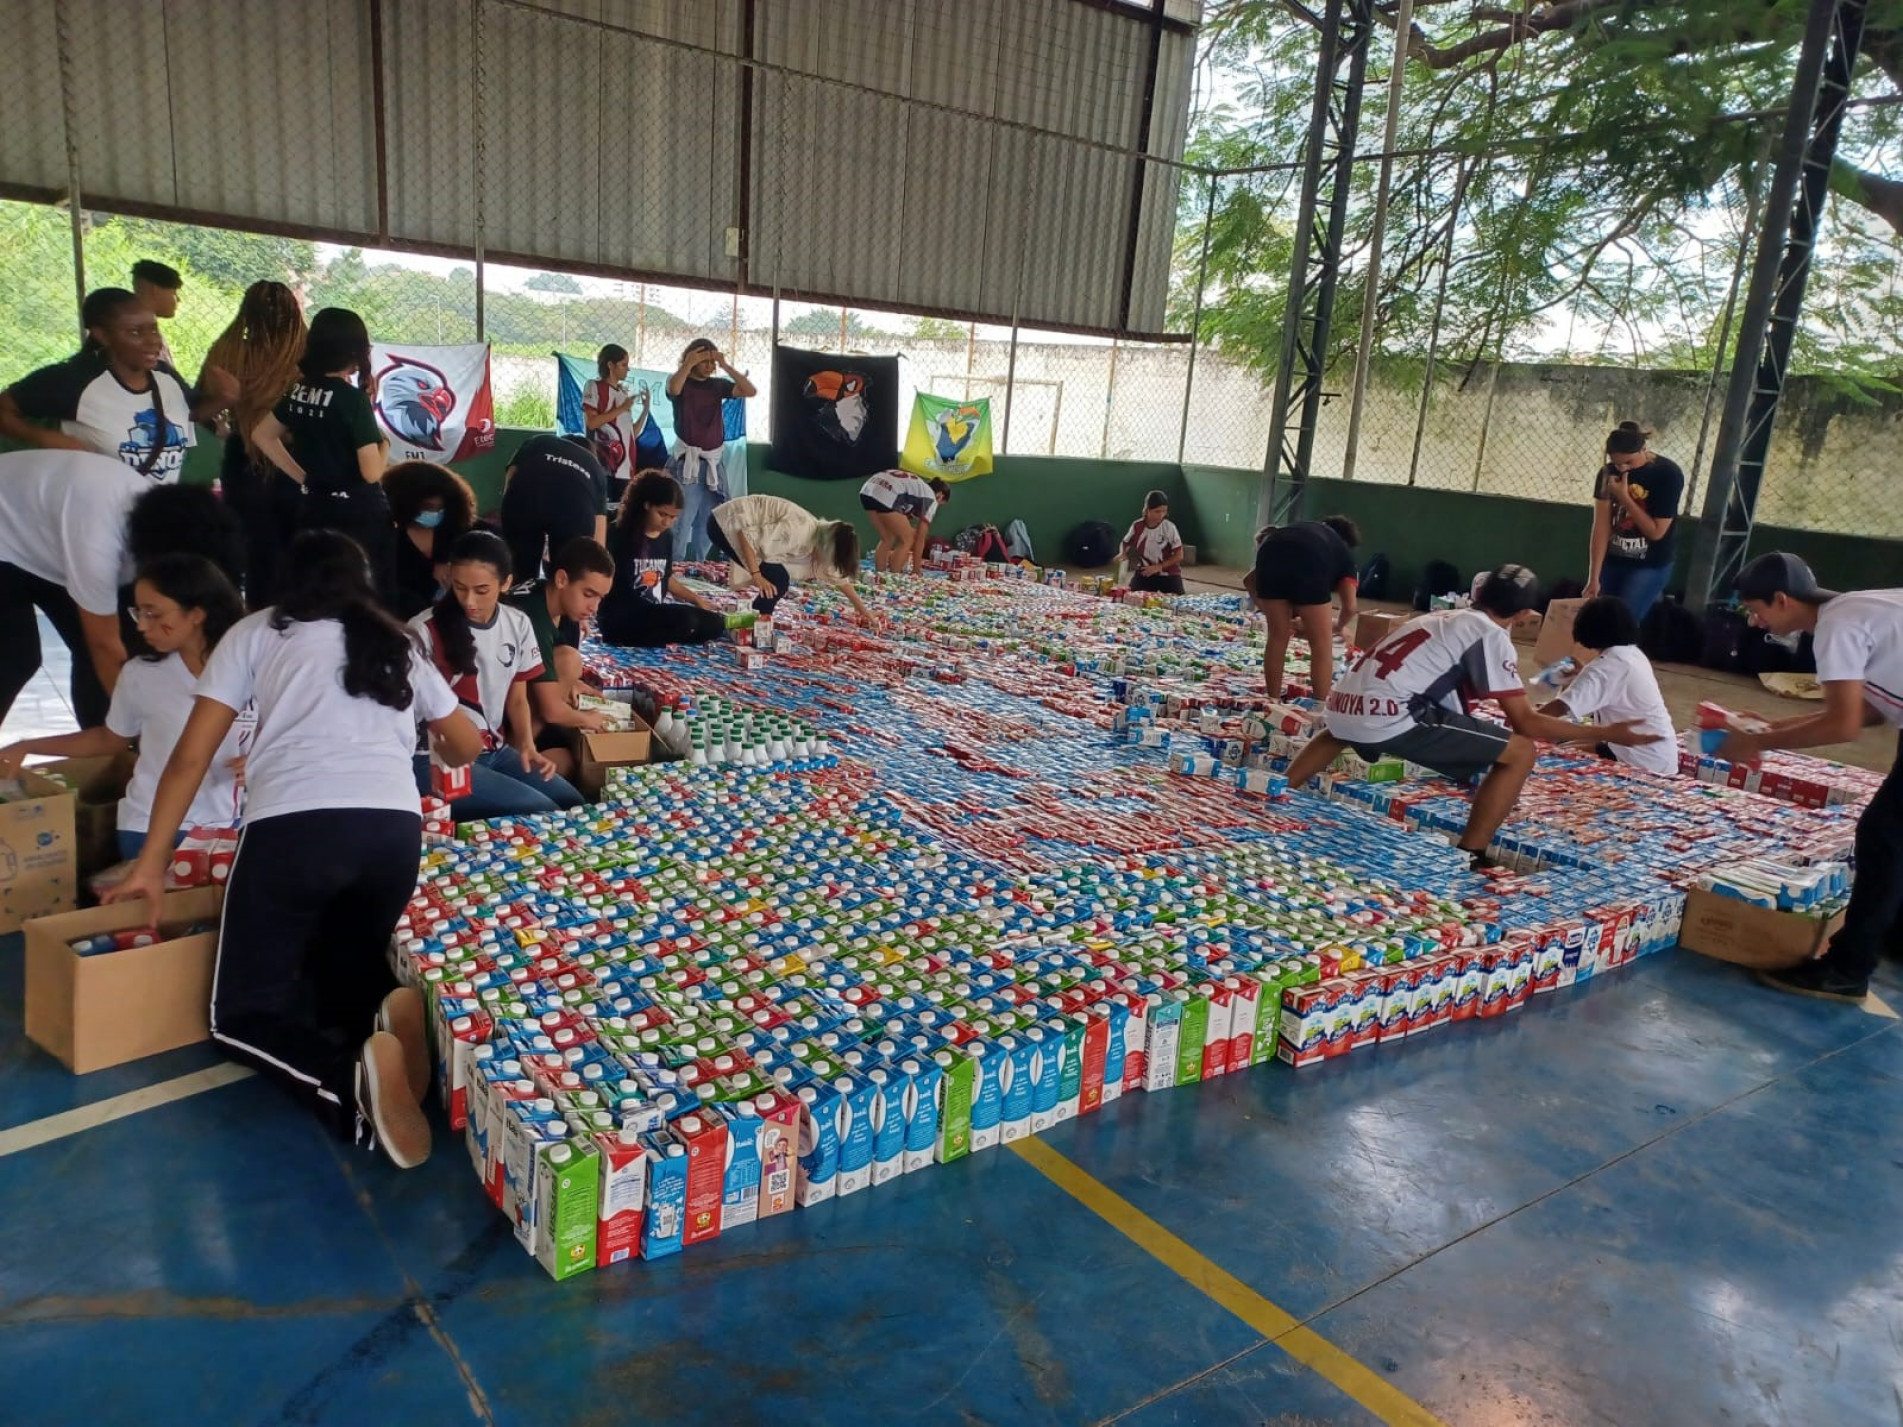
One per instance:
(1666, 1197)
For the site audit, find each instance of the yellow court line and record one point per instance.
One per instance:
(1281, 1328)
(1875, 1005)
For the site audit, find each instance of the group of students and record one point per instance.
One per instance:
(1410, 695)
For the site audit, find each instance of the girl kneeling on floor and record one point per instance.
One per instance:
(637, 610)
(332, 842)
(487, 651)
(182, 605)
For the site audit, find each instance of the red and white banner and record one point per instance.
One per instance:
(434, 403)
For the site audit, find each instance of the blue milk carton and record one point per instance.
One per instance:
(924, 1083)
(667, 1196)
(1045, 1070)
(857, 1097)
(740, 1188)
(818, 1178)
(1015, 1121)
(988, 1069)
(888, 1123)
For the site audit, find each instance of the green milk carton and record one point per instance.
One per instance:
(954, 1105)
(566, 1197)
(1189, 1043)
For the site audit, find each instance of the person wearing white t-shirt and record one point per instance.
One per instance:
(1858, 640)
(768, 542)
(1154, 549)
(73, 525)
(332, 842)
(1407, 698)
(182, 605)
(606, 408)
(901, 507)
(1615, 684)
(488, 653)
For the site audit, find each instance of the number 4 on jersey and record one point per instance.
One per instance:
(1391, 653)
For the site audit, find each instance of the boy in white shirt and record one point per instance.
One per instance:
(1154, 550)
(1858, 639)
(1408, 698)
(1615, 684)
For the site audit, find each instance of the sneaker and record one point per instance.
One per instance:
(385, 1100)
(402, 1016)
(1815, 978)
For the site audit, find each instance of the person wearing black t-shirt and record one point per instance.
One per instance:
(637, 610)
(555, 491)
(118, 396)
(431, 508)
(1298, 570)
(1634, 521)
(336, 451)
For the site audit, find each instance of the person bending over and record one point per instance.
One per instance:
(1298, 570)
(1407, 697)
(431, 508)
(1615, 684)
(770, 542)
(554, 491)
(650, 605)
(901, 508)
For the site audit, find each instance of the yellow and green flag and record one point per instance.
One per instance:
(949, 439)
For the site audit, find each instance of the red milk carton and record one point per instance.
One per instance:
(1096, 1041)
(449, 783)
(1305, 1015)
(1397, 986)
(1362, 1003)
(779, 1150)
(624, 1182)
(1463, 975)
(1548, 956)
(1496, 976)
(705, 1137)
(1245, 993)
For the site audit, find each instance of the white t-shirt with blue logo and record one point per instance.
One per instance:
(90, 403)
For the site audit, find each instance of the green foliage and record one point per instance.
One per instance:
(940, 329)
(526, 407)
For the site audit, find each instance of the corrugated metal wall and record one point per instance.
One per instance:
(605, 147)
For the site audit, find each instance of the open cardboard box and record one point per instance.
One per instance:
(1747, 935)
(1555, 641)
(98, 784)
(1371, 627)
(596, 753)
(95, 1011)
(39, 861)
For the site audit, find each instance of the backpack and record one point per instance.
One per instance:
(1373, 584)
(1671, 634)
(1723, 632)
(1091, 544)
(991, 547)
(1437, 578)
(1017, 540)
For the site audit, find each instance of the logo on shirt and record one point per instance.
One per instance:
(143, 435)
(414, 400)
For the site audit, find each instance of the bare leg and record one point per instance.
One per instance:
(1498, 792)
(1279, 613)
(1318, 629)
(1320, 752)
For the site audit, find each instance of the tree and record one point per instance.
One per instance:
(553, 282)
(224, 256)
(940, 329)
(1604, 179)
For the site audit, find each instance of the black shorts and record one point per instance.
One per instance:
(876, 507)
(546, 509)
(1294, 580)
(1167, 584)
(1455, 745)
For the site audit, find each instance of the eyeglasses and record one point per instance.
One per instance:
(145, 614)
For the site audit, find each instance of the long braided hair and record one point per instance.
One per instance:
(261, 349)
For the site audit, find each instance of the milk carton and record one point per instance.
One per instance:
(667, 1195)
(1245, 1009)
(704, 1134)
(922, 1096)
(1019, 1076)
(819, 1145)
(857, 1096)
(888, 1123)
(1163, 1027)
(1190, 1036)
(567, 1203)
(1219, 1028)
(1093, 1035)
(1115, 1017)
(954, 1095)
(988, 1069)
(1070, 1069)
(623, 1184)
(779, 1115)
(1136, 1041)
(1046, 1070)
(740, 1186)
(527, 1125)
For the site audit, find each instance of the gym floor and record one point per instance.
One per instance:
(1664, 1197)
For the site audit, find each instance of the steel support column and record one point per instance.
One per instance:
(1800, 185)
(1341, 68)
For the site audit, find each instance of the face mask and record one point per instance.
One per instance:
(428, 519)
(1787, 641)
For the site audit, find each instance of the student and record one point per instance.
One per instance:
(1407, 696)
(431, 508)
(557, 607)
(1634, 515)
(1858, 640)
(1298, 569)
(332, 842)
(771, 541)
(182, 606)
(699, 398)
(71, 524)
(605, 405)
(1154, 550)
(901, 508)
(338, 452)
(260, 349)
(487, 652)
(117, 396)
(157, 286)
(554, 491)
(638, 610)
(1615, 684)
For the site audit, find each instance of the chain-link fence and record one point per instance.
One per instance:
(1516, 318)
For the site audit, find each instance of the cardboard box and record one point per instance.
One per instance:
(94, 1011)
(1371, 628)
(596, 753)
(1555, 641)
(39, 851)
(1735, 931)
(98, 784)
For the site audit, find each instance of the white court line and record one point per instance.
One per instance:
(117, 1107)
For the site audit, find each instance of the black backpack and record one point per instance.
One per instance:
(1437, 578)
(1671, 633)
(1091, 544)
(1373, 584)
